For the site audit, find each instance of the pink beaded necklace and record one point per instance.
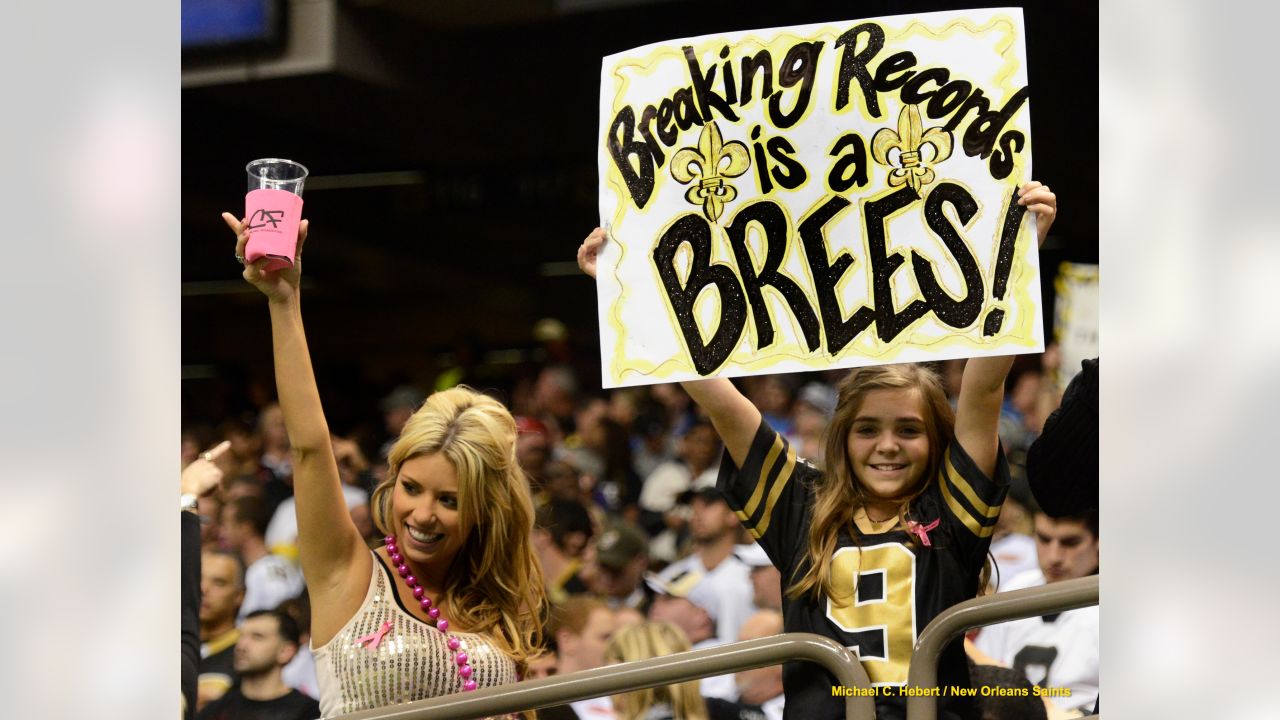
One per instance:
(464, 668)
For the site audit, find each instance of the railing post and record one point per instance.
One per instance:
(1011, 605)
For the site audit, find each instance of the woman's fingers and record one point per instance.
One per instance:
(236, 226)
(303, 227)
(242, 240)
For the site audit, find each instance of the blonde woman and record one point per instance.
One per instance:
(645, 640)
(454, 599)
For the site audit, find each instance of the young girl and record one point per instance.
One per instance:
(453, 600)
(894, 532)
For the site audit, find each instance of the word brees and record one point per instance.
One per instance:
(658, 126)
(949, 691)
(740, 293)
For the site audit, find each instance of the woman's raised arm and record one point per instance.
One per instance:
(328, 541)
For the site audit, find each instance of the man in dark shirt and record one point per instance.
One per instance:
(268, 641)
(221, 591)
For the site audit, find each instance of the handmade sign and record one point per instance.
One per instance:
(818, 196)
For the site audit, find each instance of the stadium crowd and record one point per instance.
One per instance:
(640, 553)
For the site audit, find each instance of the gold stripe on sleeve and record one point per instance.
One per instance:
(985, 510)
(756, 494)
(778, 485)
(963, 514)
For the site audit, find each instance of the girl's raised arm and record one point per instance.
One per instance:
(328, 540)
(982, 385)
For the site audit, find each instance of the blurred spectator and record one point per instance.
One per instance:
(533, 450)
(276, 455)
(221, 591)
(300, 672)
(650, 444)
(268, 641)
(195, 438)
(245, 458)
(209, 508)
(541, 666)
(564, 482)
(269, 579)
(626, 616)
(678, 406)
(581, 627)
(190, 589)
(616, 565)
(201, 476)
(698, 462)
(625, 406)
(766, 580)
(554, 338)
(1058, 650)
(1019, 416)
(1012, 547)
(691, 602)
(561, 531)
(680, 701)
(555, 398)
(773, 395)
(952, 372)
(812, 412)
(397, 407)
(282, 532)
(353, 466)
(242, 487)
(603, 450)
(714, 529)
(762, 687)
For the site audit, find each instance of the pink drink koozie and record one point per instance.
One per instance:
(273, 227)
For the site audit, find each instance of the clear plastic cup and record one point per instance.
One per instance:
(273, 206)
(276, 174)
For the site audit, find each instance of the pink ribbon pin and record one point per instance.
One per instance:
(374, 639)
(922, 531)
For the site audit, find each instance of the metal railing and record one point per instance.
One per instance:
(1001, 607)
(625, 677)
(735, 657)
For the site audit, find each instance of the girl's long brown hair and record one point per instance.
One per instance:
(838, 494)
(495, 584)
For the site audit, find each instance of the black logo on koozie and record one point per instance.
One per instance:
(261, 218)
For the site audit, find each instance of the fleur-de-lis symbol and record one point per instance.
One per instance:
(910, 140)
(713, 161)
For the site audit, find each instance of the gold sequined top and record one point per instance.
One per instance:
(411, 660)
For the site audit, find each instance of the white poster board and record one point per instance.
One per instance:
(818, 196)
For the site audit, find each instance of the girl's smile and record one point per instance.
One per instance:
(888, 445)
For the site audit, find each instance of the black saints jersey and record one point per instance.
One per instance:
(899, 584)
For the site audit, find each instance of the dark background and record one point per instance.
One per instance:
(490, 135)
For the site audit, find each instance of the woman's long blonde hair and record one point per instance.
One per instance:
(649, 640)
(495, 584)
(838, 494)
